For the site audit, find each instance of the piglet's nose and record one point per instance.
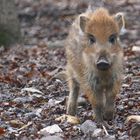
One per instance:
(103, 64)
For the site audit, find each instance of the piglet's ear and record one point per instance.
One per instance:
(119, 18)
(83, 21)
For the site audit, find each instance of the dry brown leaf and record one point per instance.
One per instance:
(1, 66)
(133, 117)
(69, 119)
(16, 123)
(2, 131)
(25, 126)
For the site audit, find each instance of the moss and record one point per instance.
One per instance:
(8, 36)
(4, 39)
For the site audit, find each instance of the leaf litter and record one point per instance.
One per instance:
(33, 99)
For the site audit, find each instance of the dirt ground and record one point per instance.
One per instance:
(31, 98)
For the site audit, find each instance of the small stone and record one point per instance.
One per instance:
(136, 48)
(97, 133)
(31, 89)
(124, 137)
(53, 102)
(109, 137)
(135, 131)
(125, 85)
(130, 103)
(120, 107)
(88, 127)
(22, 99)
(50, 129)
(51, 138)
(30, 115)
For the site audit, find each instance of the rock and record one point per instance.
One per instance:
(88, 127)
(53, 102)
(25, 99)
(30, 115)
(124, 137)
(135, 131)
(109, 137)
(125, 85)
(130, 104)
(24, 138)
(97, 133)
(136, 48)
(31, 89)
(50, 129)
(120, 107)
(51, 138)
(38, 112)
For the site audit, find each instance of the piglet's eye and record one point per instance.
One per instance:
(113, 38)
(91, 39)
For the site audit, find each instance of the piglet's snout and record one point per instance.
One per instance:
(103, 64)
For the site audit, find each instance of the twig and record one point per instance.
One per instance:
(23, 127)
(105, 130)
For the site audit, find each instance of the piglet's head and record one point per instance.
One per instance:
(101, 47)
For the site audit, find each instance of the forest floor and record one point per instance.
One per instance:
(31, 98)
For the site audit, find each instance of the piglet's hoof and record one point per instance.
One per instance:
(108, 115)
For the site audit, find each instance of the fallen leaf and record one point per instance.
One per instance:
(1, 66)
(31, 89)
(69, 119)
(133, 117)
(16, 123)
(25, 126)
(2, 131)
